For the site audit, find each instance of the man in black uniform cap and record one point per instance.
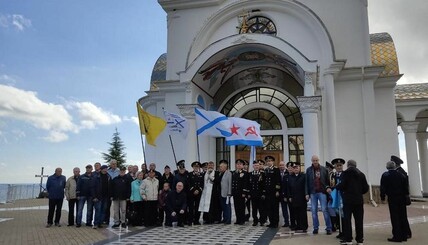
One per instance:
(256, 186)
(334, 176)
(271, 191)
(239, 191)
(394, 185)
(196, 185)
(399, 169)
(297, 195)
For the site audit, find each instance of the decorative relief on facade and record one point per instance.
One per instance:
(188, 86)
(309, 78)
(409, 127)
(309, 104)
(310, 82)
(188, 110)
(243, 39)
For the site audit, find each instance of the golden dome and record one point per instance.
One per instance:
(383, 53)
(159, 71)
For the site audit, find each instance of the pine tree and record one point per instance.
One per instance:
(116, 150)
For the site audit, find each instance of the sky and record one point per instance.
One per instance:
(71, 71)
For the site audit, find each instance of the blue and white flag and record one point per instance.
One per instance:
(212, 123)
(176, 124)
(244, 132)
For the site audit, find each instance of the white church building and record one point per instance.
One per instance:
(308, 71)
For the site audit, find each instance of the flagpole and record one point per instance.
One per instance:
(172, 146)
(170, 139)
(197, 145)
(142, 145)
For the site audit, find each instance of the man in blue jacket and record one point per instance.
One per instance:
(55, 187)
(87, 187)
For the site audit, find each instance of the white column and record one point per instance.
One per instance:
(309, 107)
(188, 111)
(330, 112)
(410, 129)
(423, 159)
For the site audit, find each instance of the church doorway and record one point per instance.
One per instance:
(279, 117)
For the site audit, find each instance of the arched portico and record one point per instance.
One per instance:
(412, 111)
(225, 69)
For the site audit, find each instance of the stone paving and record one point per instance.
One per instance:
(23, 222)
(208, 234)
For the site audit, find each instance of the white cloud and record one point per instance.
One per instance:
(132, 119)
(6, 79)
(56, 136)
(16, 21)
(57, 119)
(26, 106)
(92, 115)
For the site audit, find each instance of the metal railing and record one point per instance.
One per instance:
(13, 192)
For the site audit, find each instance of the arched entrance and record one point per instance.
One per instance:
(280, 119)
(256, 82)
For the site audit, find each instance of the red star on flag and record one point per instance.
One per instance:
(234, 129)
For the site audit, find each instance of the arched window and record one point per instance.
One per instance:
(270, 96)
(258, 24)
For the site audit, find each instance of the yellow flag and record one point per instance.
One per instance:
(150, 126)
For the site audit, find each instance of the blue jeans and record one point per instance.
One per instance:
(98, 213)
(227, 210)
(322, 198)
(103, 209)
(90, 207)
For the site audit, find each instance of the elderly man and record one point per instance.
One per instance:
(120, 192)
(196, 185)
(113, 171)
(104, 184)
(240, 184)
(256, 185)
(399, 169)
(352, 186)
(318, 184)
(394, 185)
(210, 203)
(149, 192)
(226, 192)
(271, 192)
(176, 206)
(86, 189)
(297, 198)
(55, 187)
(70, 194)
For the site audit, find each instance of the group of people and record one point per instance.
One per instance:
(147, 197)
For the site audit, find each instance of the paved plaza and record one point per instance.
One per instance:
(23, 222)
